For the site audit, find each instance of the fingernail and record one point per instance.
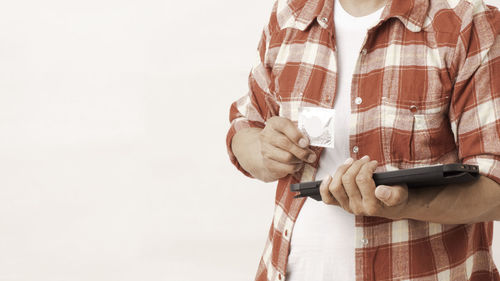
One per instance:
(311, 158)
(348, 161)
(303, 142)
(382, 192)
(365, 157)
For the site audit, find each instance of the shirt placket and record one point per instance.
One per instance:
(363, 236)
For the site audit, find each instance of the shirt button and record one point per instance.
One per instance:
(301, 94)
(358, 100)
(364, 51)
(364, 241)
(323, 19)
(355, 149)
(328, 98)
(413, 108)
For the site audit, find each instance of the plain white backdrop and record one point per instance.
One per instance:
(113, 116)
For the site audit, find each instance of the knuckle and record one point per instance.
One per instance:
(268, 164)
(335, 189)
(294, 134)
(371, 209)
(347, 178)
(265, 154)
(362, 179)
(265, 137)
(356, 209)
(303, 154)
(282, 142)
(267, 161)
(345, 206)
(353, 208)
(328, 200)
(288, 157)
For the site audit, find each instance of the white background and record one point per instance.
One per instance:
(113, 117)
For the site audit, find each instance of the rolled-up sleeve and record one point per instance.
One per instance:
(253, 109)
(475, 101)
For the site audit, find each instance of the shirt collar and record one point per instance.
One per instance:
(411, 13)
(300, 14)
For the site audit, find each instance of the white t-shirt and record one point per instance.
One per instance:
(322, 245)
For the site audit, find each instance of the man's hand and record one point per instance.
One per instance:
(352, 187)
(283, 147)
(273, 152)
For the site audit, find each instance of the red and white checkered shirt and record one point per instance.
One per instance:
(428, 76)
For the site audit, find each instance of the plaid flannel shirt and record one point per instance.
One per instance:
(427, 83)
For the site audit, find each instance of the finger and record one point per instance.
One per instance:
(349, 180)
(365, 183)
(278, 154)
(281, 169)
(337, 189)
(282, 141)
(392, 195)
(288, 128)
(326, 196)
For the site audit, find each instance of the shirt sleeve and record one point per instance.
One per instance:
(475, 101)
(253, 109)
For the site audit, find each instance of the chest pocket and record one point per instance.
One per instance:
(416, 132)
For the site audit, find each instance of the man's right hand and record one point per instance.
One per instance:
(283, 147)
(273, 152)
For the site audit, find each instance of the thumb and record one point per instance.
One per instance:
(392, 195)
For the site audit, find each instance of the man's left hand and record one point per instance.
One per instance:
(352, 187)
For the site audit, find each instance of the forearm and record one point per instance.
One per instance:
(455, 204)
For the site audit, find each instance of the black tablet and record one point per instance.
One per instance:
(414, 178)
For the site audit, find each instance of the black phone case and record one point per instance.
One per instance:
(414, 178)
